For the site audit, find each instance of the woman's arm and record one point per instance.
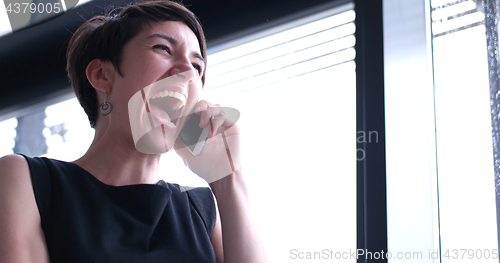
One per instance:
(241, 242)
(217, 239)
(221, 156)
(22, 239)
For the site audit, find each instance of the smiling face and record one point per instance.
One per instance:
(162, 69)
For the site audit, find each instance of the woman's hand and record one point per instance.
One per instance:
(220, 165)
(221, 155)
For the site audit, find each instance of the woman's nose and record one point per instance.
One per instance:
(183, 69)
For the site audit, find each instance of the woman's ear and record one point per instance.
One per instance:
(100, 74)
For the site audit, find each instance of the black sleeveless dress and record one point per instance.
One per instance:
(85, 220)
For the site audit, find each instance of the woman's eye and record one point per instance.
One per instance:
(162, 47)
(197, 67)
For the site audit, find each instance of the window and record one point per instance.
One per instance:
(467, 211)
(440, 179)
(68, 133)
(7, 136)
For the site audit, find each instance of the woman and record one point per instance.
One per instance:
(109, 205)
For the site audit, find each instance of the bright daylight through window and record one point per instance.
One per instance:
(440, 178)
(467, 208)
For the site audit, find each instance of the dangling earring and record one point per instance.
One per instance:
(105, 107)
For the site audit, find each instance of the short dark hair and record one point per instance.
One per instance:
(103, 38)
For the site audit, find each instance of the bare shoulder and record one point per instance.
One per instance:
(13, 163)
(15, 179)
(22, 238)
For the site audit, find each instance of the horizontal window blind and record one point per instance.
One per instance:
(453, 16)
(285, 55)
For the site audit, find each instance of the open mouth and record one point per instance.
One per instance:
(167, 106)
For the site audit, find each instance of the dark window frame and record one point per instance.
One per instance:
(370, 116)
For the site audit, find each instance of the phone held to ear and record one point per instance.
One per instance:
(192, 135)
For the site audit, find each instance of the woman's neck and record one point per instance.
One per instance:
(118, 163)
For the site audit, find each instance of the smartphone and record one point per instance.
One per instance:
(192, 135)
